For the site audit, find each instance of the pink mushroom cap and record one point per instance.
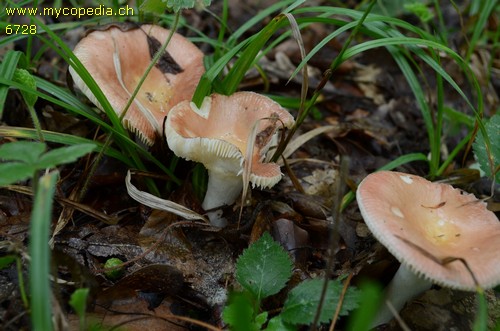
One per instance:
(422, 223)
(117, 57)
(216, 134)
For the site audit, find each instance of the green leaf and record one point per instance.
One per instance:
(64, 155)
(62, 138)
(26, 151)
(157, 7)
(5, 261)
(370, 300)
(277, 324)
(264, 267)
(23, 76)
(200, 4)
(28, 157)
(177, 5)
(481, 152)
(261, 319)
(302, 302)
(420, 10)
(13, 172)
(78, 301)
(239, 312)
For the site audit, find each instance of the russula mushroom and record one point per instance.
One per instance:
(440, 235)
(117, 56)
(216, 135)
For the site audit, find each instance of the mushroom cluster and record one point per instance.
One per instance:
(440, 235)
(217, 133)
(117, 56)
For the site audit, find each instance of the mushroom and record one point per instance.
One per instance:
(117, 56)
(439, 234)
(216, 135)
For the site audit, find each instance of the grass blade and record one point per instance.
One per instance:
(481, 320)
(7, 68)
(484, 14)
(41, 218)
(257, 18)
(245, 61)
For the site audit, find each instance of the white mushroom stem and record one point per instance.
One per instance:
(222, 189)
(404, 286)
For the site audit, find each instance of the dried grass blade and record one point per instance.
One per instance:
(247, 165)
(160, 204)
(105, 218)
(298, 38)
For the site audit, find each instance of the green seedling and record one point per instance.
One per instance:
(420, 10)
(23, 159)
(22, 76)
(6, 261)
(78, 302)
(160, 6)
(263, 270)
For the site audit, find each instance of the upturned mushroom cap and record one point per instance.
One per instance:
(117, 57)
(414, 217)
(216, 134)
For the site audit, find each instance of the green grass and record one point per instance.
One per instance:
(388, 32)
(40, 286)
(384, 30)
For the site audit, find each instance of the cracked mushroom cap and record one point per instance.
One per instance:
(421, 223)
(216, 134)
(116, 56)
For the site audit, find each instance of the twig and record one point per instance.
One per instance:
(341, 300)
